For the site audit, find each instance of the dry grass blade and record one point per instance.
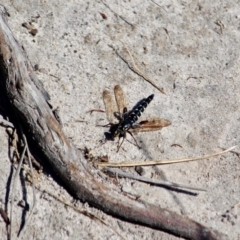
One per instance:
(120, 98)
(33, 186)
(161, 162)
(13, 187)
(120, 173)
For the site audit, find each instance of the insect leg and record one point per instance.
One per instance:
(134, 139)
(118, 116)
(102, 141)
(120, 144)
(95, 110)
(106, 125)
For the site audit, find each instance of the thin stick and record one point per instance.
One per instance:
(159, 6)
(13, 186)
(149, 180)
(161, 162)
(33, 186)
(132, 25)
(135, 69)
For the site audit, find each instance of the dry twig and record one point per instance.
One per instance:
(131, 64)
(158, 5)
(120, 16)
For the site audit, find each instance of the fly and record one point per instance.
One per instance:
(127, 120)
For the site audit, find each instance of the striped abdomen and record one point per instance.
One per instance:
(136, 112)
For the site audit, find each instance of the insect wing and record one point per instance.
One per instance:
(120, 99)
(153, 124)
(109, 105)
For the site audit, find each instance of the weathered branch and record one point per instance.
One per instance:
(28, 99)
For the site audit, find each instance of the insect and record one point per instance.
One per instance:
(127, 119)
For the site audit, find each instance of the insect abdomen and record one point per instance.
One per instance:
(137, 111)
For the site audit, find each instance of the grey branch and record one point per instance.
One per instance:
(151, 181)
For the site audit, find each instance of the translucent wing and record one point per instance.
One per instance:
(109, 105)
(152, 124)
(120, 98)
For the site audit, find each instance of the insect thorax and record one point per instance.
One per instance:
(121, 129)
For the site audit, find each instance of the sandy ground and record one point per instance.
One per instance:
(191, 49)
